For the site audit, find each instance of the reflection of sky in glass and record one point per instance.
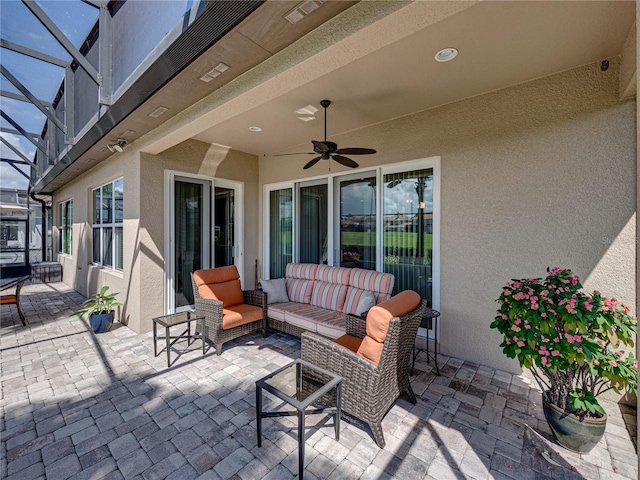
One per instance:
(358, 199)
(403, 197)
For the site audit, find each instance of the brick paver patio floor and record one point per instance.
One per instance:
(85, 406)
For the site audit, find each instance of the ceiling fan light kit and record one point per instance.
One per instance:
(329, 150)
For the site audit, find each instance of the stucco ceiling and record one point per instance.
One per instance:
(500, 44)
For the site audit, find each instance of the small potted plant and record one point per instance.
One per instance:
(100, 310)
(577, 345)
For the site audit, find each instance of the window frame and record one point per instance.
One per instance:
(117, 255)
(65, 229)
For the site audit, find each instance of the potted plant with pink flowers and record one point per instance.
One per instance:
(577, 346)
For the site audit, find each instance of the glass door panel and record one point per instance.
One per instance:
(357, 229)
(408, 229)
(280, 231)
(224, 218)
(313, 227)
(191, 211)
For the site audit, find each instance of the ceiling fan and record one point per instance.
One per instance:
(327, 150)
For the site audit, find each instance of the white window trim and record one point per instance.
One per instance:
(61, 227)
(113, 225)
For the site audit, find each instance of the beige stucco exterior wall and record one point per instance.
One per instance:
(77, 270)
(141, 283)
(539, 174)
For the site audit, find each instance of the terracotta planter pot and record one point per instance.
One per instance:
(101, 323)
(573, 433)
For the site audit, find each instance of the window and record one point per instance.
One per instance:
(65, 227)
(107, 224)
(384, 219)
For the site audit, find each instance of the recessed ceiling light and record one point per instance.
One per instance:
(221, 67)
(158, 111)
(446, 54)
(255, 129)
(308, 6)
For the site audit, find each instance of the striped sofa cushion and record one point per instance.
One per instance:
(379, 283)
(311, 318)
(300, 278)
(331, 287)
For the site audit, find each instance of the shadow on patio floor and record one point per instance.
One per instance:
(79, 405)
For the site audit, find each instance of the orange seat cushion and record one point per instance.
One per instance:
(8, 299)
(350, 342)
(237, 315)
(378, 320)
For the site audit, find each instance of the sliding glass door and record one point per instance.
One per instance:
(280, 235)
(408, 230)
(313, 224)
(356, 229)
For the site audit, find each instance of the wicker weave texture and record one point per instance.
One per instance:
(212, 312)
(369, 390)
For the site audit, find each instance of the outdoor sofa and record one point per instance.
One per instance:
(318, 298)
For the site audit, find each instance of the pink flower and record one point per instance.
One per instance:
(515, 328)
(580, 394)
(516, 284)
(601, 342)
(555, 353)
(635, 365)
(588, 306)
(520, 344)
(577, 338)
(613, 363)
(515, 339)
(579, 350)
(596, 362)
(527, 326)
(517, 321)
(506, 292)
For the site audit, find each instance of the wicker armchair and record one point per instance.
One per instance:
(229, 311)
(369, 390)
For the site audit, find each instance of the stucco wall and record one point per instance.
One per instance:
(78, 272)
(190, 157)
(539, 174)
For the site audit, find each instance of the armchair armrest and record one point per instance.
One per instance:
(356, 326)
(211, 310)
(327, 354)
(255, 297)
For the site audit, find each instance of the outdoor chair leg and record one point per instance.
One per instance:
(218, 346)
(22, 317)
(378, 436)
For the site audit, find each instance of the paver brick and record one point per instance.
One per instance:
(233, 463)
(94, 456)
(64, 468)
(99, 440)
(134, 464)
(23, 462)
(34, 471)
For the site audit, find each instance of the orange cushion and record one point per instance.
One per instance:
(229, 293)
(216, 275)
(371, 350)
(379, 316)
(378, 320)
(349, 341)
(240, 315)
(7, 299)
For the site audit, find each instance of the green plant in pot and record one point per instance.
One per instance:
(99, 308)
(577, 346)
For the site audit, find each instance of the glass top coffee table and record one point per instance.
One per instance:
(300, 384)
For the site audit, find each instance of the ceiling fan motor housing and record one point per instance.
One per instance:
(325, 153)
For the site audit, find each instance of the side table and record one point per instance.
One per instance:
(299, 384)
(431, 316)
(172, 320)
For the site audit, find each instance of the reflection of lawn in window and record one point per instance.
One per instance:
(391, 239)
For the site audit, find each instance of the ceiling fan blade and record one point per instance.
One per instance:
(320, 146)
(312, 162)
(299, 153)
(356, 151)
(347, 162)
